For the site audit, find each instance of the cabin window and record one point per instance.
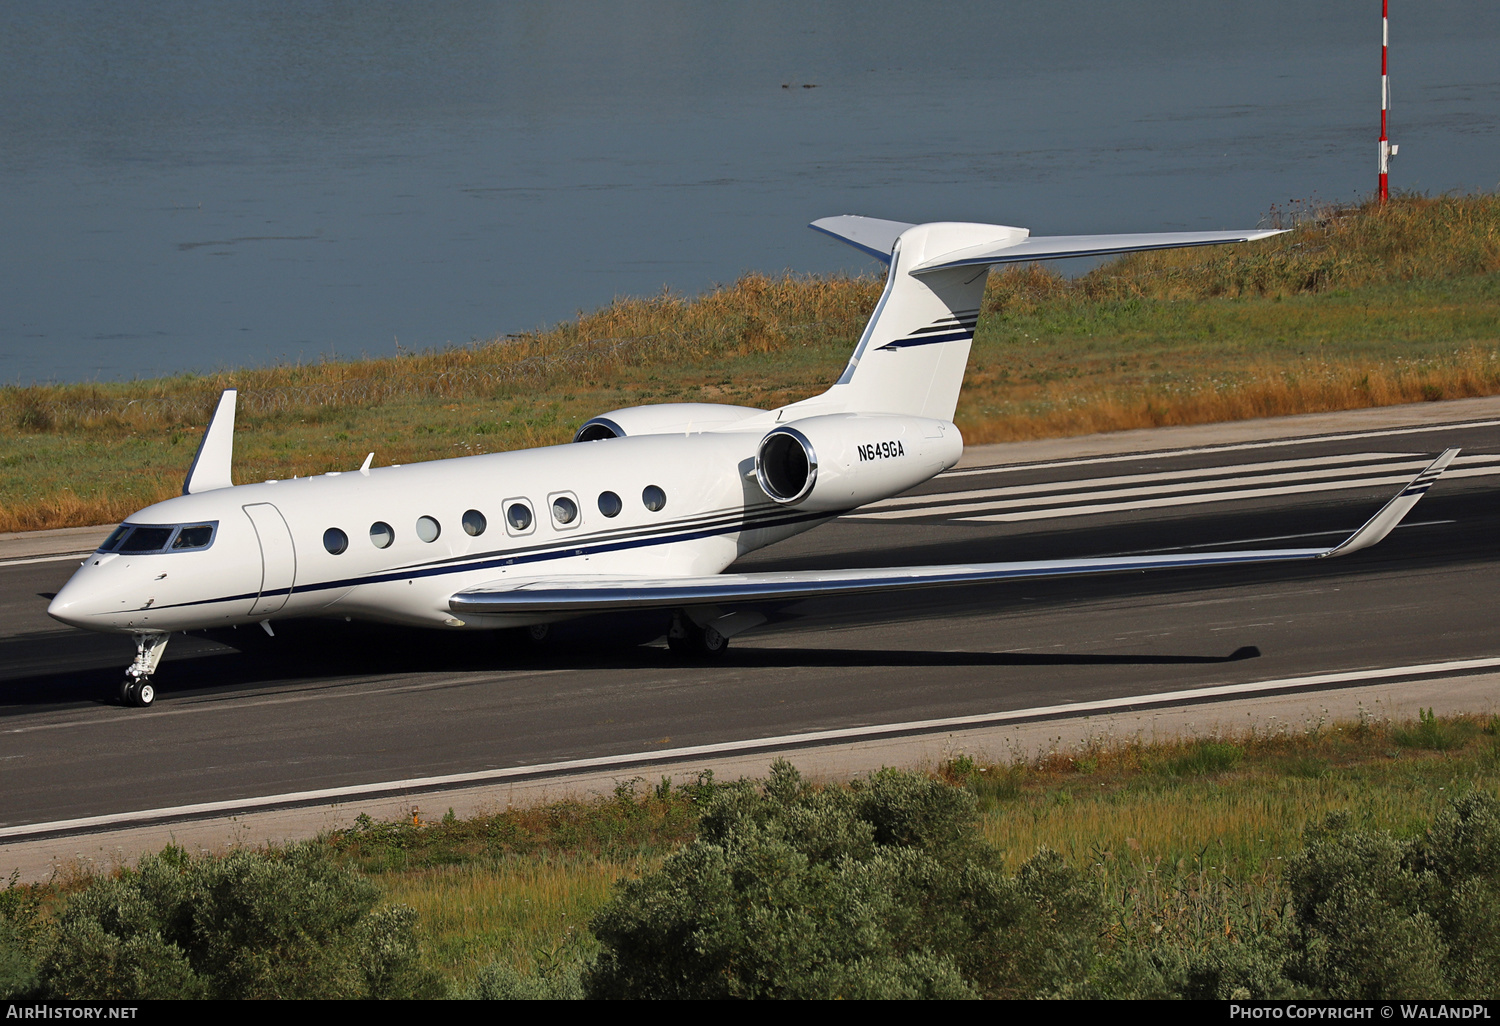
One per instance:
(335, 541)
(428, 529)
(474, 523)
(114, 538)
(564, 510)
(610, 504)
(382, 534)
(518, 517)
(654, 498)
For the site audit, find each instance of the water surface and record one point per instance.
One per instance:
(190, 186)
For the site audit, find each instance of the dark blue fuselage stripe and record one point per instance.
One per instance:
(749, 517)
(927, 340)
(524, 557)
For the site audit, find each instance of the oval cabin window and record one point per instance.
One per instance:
(564, 510)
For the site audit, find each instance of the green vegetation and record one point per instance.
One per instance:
(1357, 860)
(1360, 307)
(283, 923)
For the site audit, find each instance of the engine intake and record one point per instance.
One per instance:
(840, 461)
(786, 465)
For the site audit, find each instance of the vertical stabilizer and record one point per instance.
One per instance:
(912, 355)
(210, 467)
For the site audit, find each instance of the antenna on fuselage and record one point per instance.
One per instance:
(210, 467)
(364, 468)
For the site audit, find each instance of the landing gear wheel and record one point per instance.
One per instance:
(687, 638)
(138, 693)
(537, 633)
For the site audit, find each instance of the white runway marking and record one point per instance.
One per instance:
(1238, 447)
(844, 735)
(1166, 475)
(46, 559)
(1147, 491)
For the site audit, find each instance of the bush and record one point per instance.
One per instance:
(501, 982)
(1382, 918)
(20, 926)
(879, 890)
(269, 924)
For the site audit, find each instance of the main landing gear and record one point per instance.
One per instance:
(136, 689)
(687, 638)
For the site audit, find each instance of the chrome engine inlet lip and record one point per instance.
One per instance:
(812, 466)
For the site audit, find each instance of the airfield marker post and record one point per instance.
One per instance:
(1386, 149)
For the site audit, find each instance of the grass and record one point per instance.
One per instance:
(520, 885)
(1190, 836)
(1363, 307)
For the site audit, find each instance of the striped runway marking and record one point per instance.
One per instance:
(1124, 493)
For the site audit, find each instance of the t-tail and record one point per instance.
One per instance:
(912, 355)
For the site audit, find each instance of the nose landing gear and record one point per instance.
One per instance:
(136, 689)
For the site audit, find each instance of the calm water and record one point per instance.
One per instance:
(206, 184)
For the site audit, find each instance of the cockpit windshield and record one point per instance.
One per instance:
(137, 539)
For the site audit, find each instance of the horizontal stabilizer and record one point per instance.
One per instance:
(1011, 245)
(579, 595)
(1060, 247)
(867, 234)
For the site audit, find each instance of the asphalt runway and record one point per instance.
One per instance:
(240, 715)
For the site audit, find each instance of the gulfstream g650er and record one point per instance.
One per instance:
(645, 511)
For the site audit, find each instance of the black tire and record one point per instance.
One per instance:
(138, 694)
(698, 642)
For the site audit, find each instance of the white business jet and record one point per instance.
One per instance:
(644, 512)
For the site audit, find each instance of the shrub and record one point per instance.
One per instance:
(879, 890)
(1382, 918)
(254, 924)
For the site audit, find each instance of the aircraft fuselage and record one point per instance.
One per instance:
(269, 556)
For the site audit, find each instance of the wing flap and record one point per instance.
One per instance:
(598, 594)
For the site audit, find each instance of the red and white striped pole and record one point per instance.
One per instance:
(1385, 101)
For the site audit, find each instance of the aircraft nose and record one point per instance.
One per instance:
(71, 605)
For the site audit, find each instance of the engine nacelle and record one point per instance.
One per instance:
(663, 419)
(842, 460)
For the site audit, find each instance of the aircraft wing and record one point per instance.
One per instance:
(596, 594)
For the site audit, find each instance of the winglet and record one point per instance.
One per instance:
(1382, 523)
(210, 467)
